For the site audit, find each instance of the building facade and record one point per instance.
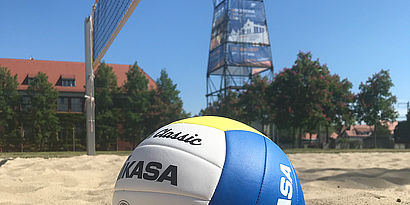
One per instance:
(67, 77)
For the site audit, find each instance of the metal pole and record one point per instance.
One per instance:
(89, 87)
(207, 90)
(22, 137)
(73, 140)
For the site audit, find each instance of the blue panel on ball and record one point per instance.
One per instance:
(281, 184)
(243, 171)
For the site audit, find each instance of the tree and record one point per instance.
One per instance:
(295, 95)
(226, 106)
(9, 103)
(106, 113)
(165, 104)
(374, 102)
(41, 116)
(135, 106)
(254, 103)
(338, 111)
(72, 131)
(307, 95)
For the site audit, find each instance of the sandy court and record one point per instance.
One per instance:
(74, 180)
(354, 178)
(347, 178)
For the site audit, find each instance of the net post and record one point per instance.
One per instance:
(89, 87)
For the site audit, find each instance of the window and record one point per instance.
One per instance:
(68, 82)
(256, 29)
(76, 105)
(28, 79)
(62, 104)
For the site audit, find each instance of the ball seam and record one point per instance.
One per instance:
(263, 176)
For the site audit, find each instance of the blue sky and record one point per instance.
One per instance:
(354, 38)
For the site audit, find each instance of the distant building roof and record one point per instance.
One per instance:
(308, 136)
(391, 126)
(61, 69)
(357, 131)
(366, 130)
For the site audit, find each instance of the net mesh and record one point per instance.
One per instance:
(107, 16)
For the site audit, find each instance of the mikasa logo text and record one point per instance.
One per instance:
(153, 172)
(168, 133)
(285, 185)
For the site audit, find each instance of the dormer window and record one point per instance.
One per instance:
(29, 79)
(66, 81)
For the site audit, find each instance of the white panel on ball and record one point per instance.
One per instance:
(193, 176)
(210, 143)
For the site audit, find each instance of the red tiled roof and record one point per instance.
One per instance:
(56, 69)
(366, 130)
(68, 76)
(306, 136)
(390, 125)
(363, 128)
(334, 135)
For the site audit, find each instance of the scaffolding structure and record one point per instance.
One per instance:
(239, 48)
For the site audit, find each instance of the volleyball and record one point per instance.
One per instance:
(207, 160)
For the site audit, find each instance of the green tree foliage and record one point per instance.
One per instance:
(249, 105)
(338, 109)
(226, 106)
(135, 106)
(165, 104)
(72, 125)
(41, 118)
(254, 103)
(342, 100)
(106, 118)
(9, 103)
(307, 95)
(374, 102)
(383, 131)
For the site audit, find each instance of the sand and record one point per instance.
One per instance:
(74, 180)
(354, 178)
(348, 178)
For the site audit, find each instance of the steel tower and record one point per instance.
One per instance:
(239, 48)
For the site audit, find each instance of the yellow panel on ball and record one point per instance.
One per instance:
(220, 123)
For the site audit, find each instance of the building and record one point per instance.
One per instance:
(250, 32)
(67, 77)
(364, 131)
(354, 136)
(361, 136)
